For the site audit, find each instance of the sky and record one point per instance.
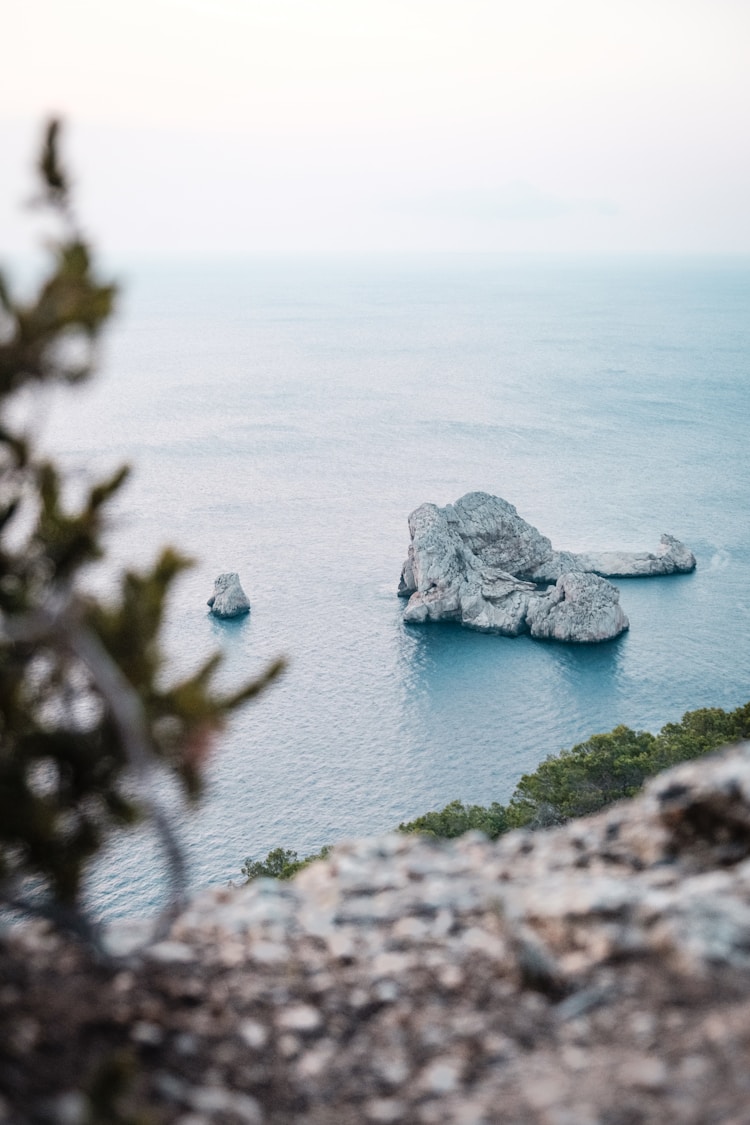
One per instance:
(215, 127)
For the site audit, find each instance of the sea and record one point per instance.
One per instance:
(284, 416)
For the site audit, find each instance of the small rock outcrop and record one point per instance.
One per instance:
(479, 563)
(228, 598)
(580, 607)
(670, 557)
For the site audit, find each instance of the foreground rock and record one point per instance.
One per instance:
(479, 563)
(228, 598)
(594, 974)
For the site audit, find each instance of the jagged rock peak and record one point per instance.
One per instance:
(228, 598)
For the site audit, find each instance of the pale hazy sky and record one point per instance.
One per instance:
(215, 126)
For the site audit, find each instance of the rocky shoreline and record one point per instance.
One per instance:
(479, 563)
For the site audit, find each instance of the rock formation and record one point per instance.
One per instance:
(593, 974)
(671, 557)
(479, 563)
(228, 598)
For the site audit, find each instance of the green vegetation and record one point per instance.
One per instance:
(610, 767)
(457, 818)
(280, 863)
(595, 773)
(605, 768)
(86, 706)
(577, 782)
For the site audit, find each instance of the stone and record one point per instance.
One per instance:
(300, 1018)
(228, 598)
(549, 992)
(166, 951)
(479, 563)
(580, 607)
(670, 557)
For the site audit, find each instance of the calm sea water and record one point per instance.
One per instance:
(284, 417)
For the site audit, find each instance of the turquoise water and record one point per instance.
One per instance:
(284, 417)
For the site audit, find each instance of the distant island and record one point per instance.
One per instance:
(479, 563)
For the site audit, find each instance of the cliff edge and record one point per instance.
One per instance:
(593, 974)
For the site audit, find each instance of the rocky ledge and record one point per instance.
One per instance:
(479, 563)
(593, 974)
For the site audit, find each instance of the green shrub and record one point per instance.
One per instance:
(700, 732)
(605, 768)
(280, 863)
(610, 767)
(457, 818)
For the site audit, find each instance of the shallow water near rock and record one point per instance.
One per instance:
(284, 417)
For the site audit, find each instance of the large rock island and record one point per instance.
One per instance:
(479, 563)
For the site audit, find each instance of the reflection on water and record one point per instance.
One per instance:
(521, 699)
(228, 628)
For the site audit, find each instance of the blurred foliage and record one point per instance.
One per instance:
(112, 1092)
(577, 782)
(84, 709)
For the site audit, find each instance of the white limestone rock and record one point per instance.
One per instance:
(228, 599)
(479, 563)
(671, 557)
(580, 607)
